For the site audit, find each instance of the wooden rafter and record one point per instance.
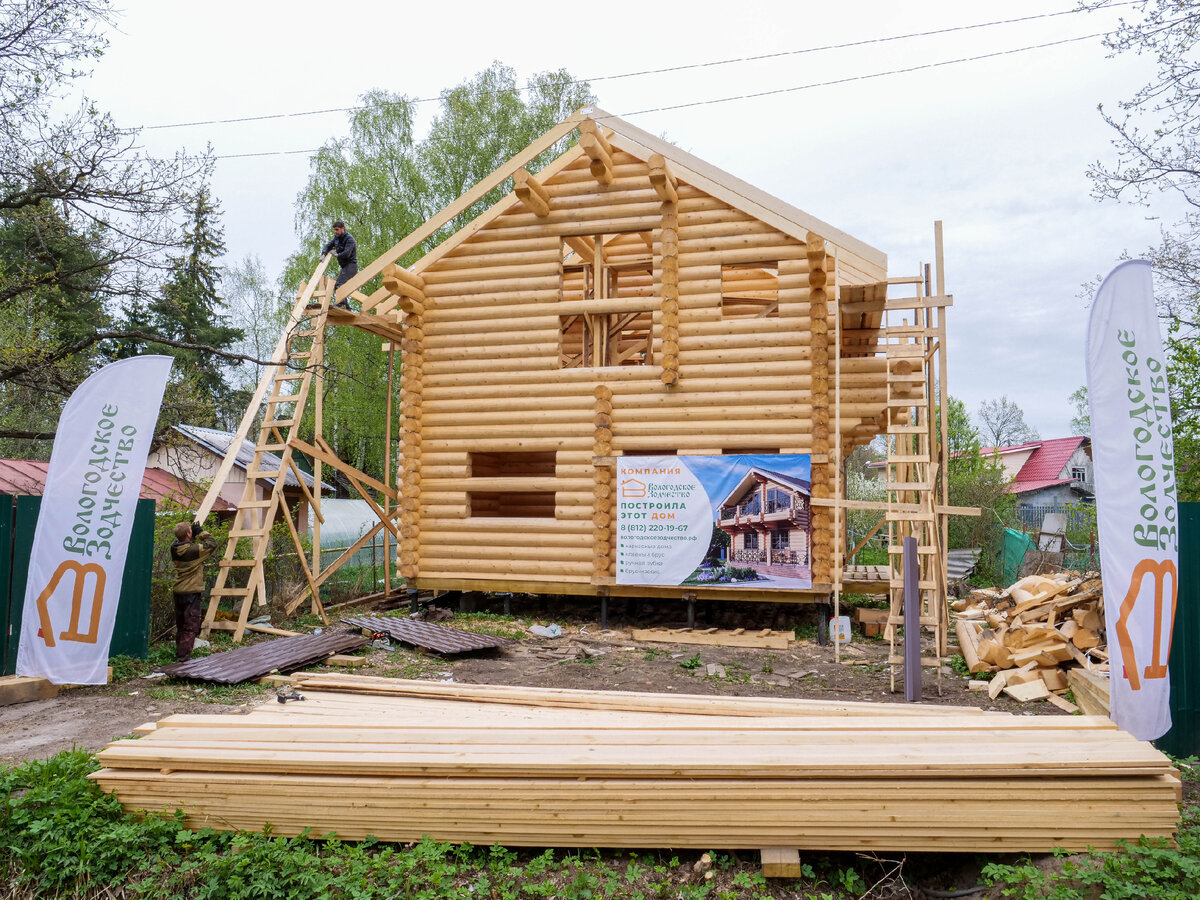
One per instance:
(463, 203)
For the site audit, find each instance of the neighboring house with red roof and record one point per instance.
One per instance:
(1043, 473)
(1049, 473)
(28, 477)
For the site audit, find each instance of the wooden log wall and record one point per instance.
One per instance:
(411, 384)
(822, 473)
(489, 377)
(603, 477)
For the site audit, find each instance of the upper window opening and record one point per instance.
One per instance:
(607, 267)
(513, 465)
(750, 291)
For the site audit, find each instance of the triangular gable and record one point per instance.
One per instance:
(741, 195)
(749, 479)
(867, 263)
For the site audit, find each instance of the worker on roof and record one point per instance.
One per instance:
(192, 546)
(346, 249)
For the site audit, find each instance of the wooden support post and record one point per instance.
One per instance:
(531, 193)
(318, 414)
(387, 474)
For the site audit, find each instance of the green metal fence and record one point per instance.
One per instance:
(131, 633)
(1184, 737)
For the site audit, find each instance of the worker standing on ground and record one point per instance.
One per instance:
(347, 256)
(192, 546)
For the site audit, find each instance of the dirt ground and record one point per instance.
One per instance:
(584, 657)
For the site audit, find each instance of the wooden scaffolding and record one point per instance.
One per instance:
(904, 320)
(293, 384)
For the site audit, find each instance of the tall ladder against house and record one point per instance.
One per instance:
(915, 485)
(298, 356)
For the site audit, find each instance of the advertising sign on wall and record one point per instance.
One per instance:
(715, 521)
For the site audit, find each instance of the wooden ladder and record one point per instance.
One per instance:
(913, 478)
(301, 354)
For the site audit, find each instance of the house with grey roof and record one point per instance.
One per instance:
(194, 454)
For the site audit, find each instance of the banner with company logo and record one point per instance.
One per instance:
(82, 536)
(1134, 459)
(715, 521)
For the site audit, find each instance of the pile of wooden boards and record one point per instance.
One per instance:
(1032, 633)
(765, 638)
(562, 768)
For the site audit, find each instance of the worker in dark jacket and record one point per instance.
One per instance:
(192, 546)
(347, 256)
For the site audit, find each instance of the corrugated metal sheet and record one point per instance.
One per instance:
(961, 563)
(282, 654)
(437, 638)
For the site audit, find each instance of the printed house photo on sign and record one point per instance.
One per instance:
(767, 517)
(716, 521)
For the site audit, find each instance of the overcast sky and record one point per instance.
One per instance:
(997, 148)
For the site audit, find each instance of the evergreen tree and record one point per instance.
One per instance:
(190, 309)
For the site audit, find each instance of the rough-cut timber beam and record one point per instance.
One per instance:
(530, 192)
(597, 149)
(580, 246)
(661, 178)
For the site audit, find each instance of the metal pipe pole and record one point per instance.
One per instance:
(912, 623)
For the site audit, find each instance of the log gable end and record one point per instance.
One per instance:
(614, 303)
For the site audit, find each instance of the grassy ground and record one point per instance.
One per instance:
(60, 837)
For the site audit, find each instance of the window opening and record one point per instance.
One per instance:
(780, 540)
(607, 267)
(750, 291)
(513, 465)
(520, 502)
(511, 505)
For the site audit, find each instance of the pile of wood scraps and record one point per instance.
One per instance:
(558, 768)
(1032, 633)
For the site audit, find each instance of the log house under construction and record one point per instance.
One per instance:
(626, 299)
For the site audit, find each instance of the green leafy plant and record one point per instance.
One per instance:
(692, 663)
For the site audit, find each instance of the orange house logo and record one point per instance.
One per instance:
(1158, 666)
(631, 487)
(80, 572)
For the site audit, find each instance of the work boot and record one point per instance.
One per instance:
(344, 304)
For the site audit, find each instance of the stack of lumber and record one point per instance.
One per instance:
(529, 767)
(1032, 633)
(765, 639)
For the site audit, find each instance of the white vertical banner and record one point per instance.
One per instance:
(1134, 460)
(82, 536)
